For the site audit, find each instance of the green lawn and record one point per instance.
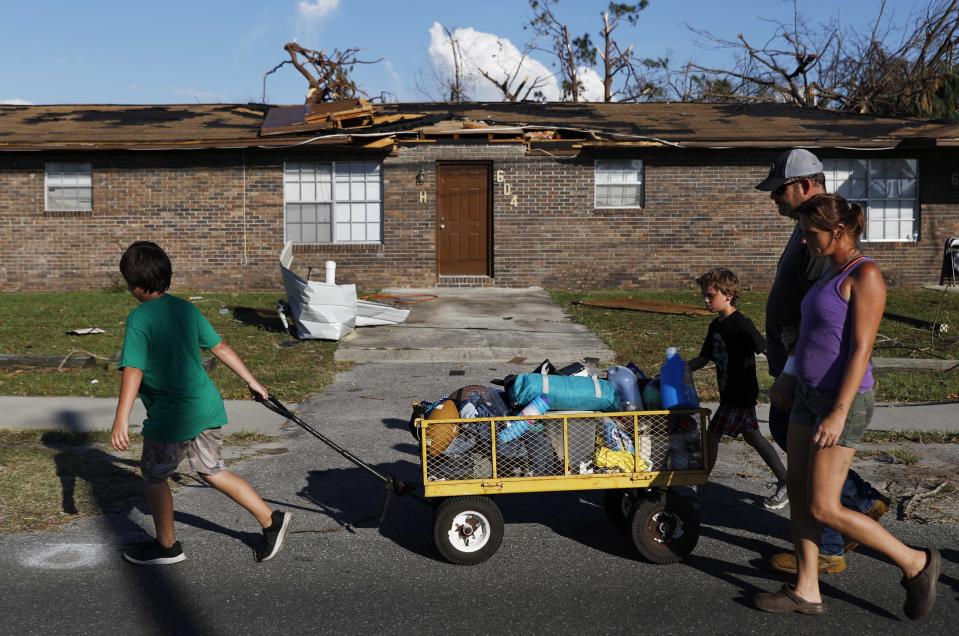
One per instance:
(34, 324)
(642, 337)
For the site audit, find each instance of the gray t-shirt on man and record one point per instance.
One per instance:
(797, 270)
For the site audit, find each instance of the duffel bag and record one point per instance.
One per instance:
(565, 393)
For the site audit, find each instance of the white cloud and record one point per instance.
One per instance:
(499, 58)
(199, 96)
(591, 84)
(317, 9)
(16, 101)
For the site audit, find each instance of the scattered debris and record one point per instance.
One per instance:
(326, 310)
(921, 364)
(652, 306)
(918, 495)
(938, 327)
(80, 352)
(402, 299)
(85, 331)
(14, 361)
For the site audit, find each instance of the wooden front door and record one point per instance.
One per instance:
(463, 219)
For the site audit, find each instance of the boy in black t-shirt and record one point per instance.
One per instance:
(732, 343)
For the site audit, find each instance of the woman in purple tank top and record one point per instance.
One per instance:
(834, 403)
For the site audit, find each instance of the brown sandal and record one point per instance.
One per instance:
(786, 601)
(921, 589)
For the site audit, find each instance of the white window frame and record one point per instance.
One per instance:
(623, 173)
(873, 194)
(68, 176)
(353, 190)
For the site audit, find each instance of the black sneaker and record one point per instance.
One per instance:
(152, 553)
(274, 535)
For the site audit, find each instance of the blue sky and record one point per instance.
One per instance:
(175, 51)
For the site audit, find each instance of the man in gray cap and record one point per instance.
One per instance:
(796, 177)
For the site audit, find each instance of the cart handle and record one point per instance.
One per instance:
(392, 483)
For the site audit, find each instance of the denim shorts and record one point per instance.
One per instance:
(812, 406)
(160, 459)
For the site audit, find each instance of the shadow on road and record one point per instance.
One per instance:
(732, 572)
(353, 498)
(161, 595)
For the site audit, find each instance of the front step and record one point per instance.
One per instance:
(465, 281)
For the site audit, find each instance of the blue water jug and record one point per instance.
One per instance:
(516, 428)
(672, 388)
(627, 389)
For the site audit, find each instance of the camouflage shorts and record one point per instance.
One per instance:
(160, 459)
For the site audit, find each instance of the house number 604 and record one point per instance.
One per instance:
(507, 188)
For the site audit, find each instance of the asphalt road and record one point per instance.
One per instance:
(562, 568)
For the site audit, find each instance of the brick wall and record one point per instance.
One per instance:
(220, 216)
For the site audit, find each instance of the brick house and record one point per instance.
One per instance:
(559, 195)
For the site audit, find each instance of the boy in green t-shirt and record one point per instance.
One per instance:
(161, 362)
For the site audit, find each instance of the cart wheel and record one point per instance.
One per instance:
(467, 530)
(665, 527)
(618, 504)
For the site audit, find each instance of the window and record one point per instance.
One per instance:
(619, 184)
(69, 187)
(886, 188)
(336, 202)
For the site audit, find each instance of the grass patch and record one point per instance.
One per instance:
(34, 324)
(917, 437)
(642, 337)
(50, 477)
(903, 456)
(247, 438)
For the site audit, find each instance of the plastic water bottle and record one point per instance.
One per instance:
(672, 391)
(627, 389)
(516, 428)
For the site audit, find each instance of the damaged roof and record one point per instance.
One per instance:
(196, 126)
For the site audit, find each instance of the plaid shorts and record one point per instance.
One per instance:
(160, 459)
(733, 420)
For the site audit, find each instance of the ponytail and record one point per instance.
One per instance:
(826, 211)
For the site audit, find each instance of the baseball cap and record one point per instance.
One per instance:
(789, 165)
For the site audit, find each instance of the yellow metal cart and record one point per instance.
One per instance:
(635, 457)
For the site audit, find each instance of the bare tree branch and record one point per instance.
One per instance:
(329, 75)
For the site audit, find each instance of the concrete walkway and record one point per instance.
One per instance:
(83, 414)
(477, 325)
